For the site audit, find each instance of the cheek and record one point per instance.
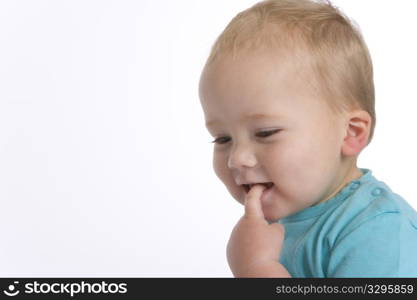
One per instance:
(226, 177)
(221, 169)
(290, 155)
(219, 166)
(301, 165)
(295, 162)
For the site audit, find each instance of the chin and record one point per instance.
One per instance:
(269, 213)
(271, 217)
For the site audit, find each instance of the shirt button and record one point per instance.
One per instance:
(354, 185)
(377, 191)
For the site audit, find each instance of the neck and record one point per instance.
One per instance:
(351, 173)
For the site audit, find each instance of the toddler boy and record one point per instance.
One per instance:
(288, 94)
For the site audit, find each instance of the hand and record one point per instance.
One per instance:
(254, 242)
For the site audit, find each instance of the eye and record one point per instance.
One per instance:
(267, 133)
(221, 140)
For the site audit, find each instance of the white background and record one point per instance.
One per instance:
(105, 163)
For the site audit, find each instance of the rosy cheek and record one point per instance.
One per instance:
(218, 169)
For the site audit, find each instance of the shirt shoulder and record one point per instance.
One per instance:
(371, 199)
(374, 232)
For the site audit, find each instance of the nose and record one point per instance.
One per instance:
(240, 157)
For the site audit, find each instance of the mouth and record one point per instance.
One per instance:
(268, 185)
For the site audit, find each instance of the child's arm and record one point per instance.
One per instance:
(261, 270)
(254, 245)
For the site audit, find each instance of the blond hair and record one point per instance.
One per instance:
(337, 53)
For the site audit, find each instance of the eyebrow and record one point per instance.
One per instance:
(246, 117)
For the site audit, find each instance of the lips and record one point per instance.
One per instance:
(247, 187)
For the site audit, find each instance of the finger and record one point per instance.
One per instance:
(253, 205)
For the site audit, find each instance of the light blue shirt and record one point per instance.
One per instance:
(365, 230)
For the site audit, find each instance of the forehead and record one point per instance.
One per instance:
(231, 72)
(255, 87)
(255, 73)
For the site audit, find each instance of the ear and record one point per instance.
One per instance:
(357, 132)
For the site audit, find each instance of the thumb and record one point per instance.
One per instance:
(253, 205)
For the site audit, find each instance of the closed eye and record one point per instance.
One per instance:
(267, 133)
(263, 134)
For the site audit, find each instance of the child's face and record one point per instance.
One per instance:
(302, 159)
